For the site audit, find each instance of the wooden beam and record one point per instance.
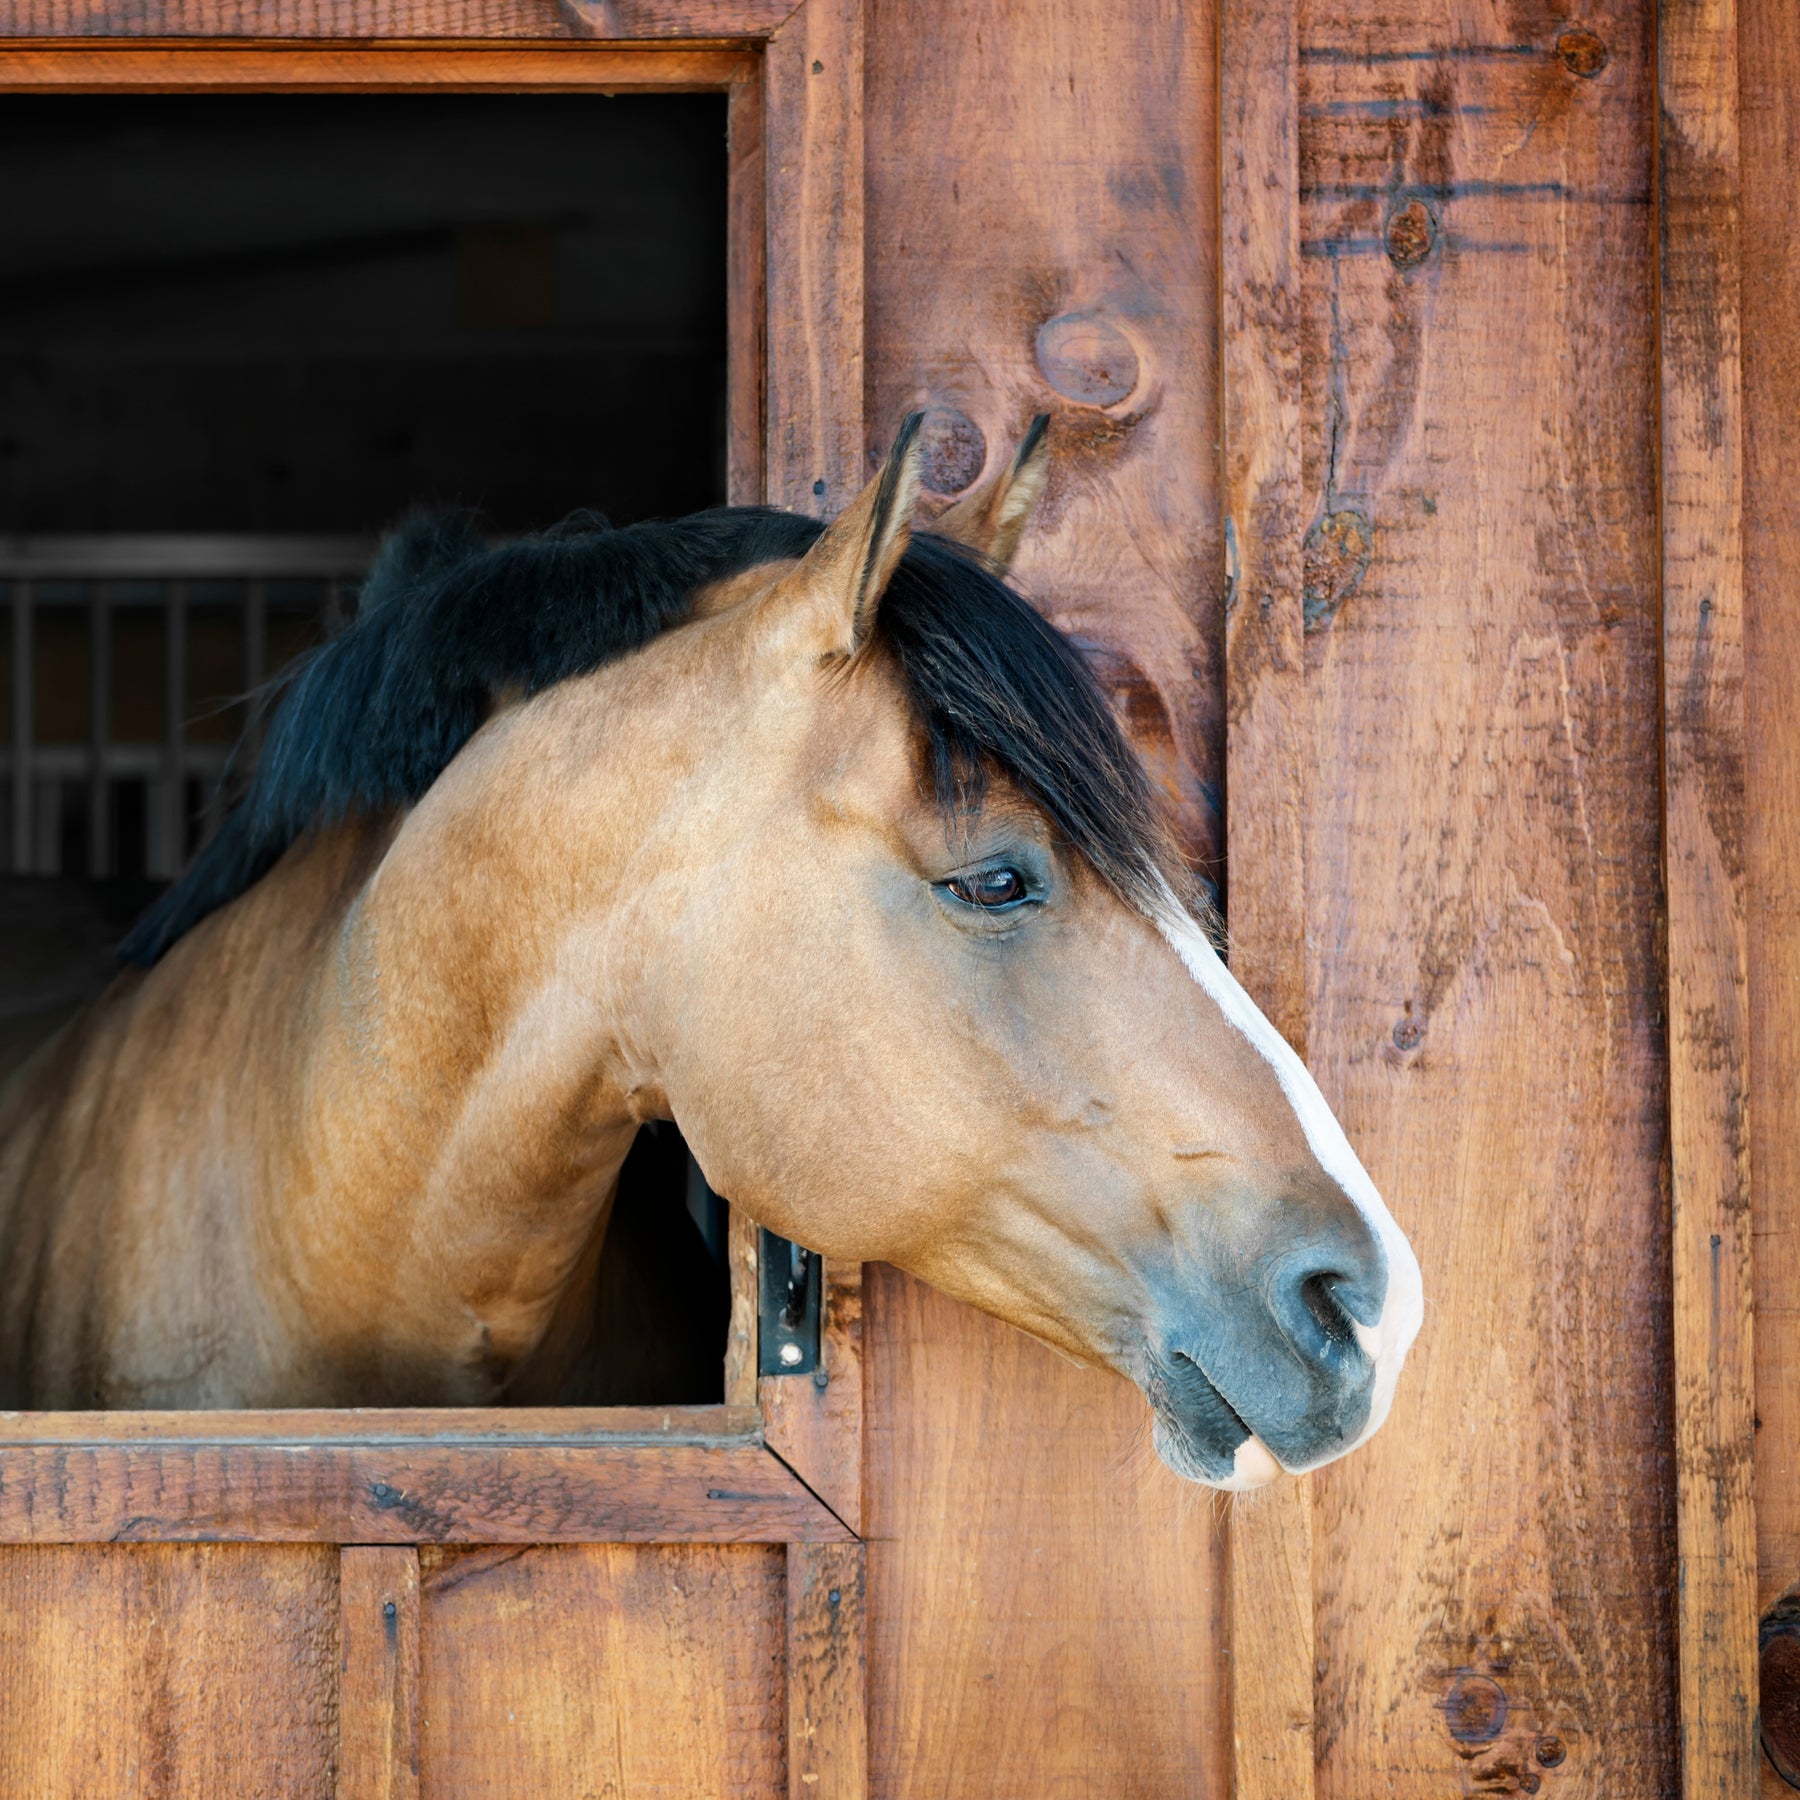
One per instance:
(814, 1423)
(378, 1686)
(339, 1478)
(91, 66)
(745, 252)
(1769, 71)
(828, 1750)
(813, 143)
(1703, 762)
(746, 21)
(1265, 697)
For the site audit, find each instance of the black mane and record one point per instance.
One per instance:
(446, 622)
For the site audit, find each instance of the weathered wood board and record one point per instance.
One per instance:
(1045, 1606)
(1769, 92)
(1496, 1573)
(608, 1667)
(192, 1669)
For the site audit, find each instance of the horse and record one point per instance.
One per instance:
(816, 839)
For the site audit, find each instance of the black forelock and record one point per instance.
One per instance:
(446, 622)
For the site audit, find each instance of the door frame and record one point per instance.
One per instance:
(781, 1461)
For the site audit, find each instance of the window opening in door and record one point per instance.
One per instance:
(238, 336)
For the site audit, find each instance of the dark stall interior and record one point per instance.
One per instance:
(238, 335)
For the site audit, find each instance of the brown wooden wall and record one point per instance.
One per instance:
(1393, 355)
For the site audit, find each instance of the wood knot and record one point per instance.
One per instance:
(952, 451)
(1475, 1709)
(1411, 233)
(1778, 1643)
(1583, 52)
(1087, 359)
(1333, 561)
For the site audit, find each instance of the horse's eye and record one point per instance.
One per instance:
(989, 888)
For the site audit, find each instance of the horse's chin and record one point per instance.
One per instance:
(1253, 1466)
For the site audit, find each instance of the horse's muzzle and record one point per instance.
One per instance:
(1284, 1358)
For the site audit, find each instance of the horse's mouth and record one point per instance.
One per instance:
(1199, 1433)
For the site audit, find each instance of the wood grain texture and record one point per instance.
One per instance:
(1483, 856)
(743, 1240)
(1045, 1604)
(93, 66)
(1703, 773)
(603, 1670)
(1769, 86)
(813, 149)
(745, 321)
(437, 1427)
(1045, 1600)
(1272, 1650)
(378, 1681)
(745, 19)
(1043, 194)
(1265, 676)
(289, 19)
(827, 1672)
(817, 1430)
(199, 1671)
(742, 20)
(405, 1493)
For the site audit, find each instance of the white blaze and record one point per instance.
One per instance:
(1388, 1340)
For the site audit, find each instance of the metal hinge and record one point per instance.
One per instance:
(788, 1334)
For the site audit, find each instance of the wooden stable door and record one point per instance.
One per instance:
(594, 1602)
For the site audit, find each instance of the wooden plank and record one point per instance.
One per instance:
(1769, 86)
(437, 1427)
(1045, 1600)
(744, 318)
(827, 1672)
(814, 1423)
(405, 1493)
(742, 20)
(95, 66)
(1012, 273)
(1494, 1580)
(1703, 771)
(201, 1671)
(1265, 691)
(378, 1682)
(742, 1241)
(813, 145)
(602, 1670)
(747, 19)
(1046, 1604)
(289, 19)
(1272, 1650)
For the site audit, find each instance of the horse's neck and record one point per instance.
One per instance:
(463, 1094)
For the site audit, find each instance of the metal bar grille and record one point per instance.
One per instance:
(170, 787)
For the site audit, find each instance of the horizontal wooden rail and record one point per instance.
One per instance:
(680, 1475)
(740, 20)
(85, 66)
(436, 1426)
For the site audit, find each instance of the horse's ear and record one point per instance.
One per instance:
(992, 520)
(846, 572)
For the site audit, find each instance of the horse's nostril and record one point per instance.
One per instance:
(1318, 1294)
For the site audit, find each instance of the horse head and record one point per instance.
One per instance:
(919, 983)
